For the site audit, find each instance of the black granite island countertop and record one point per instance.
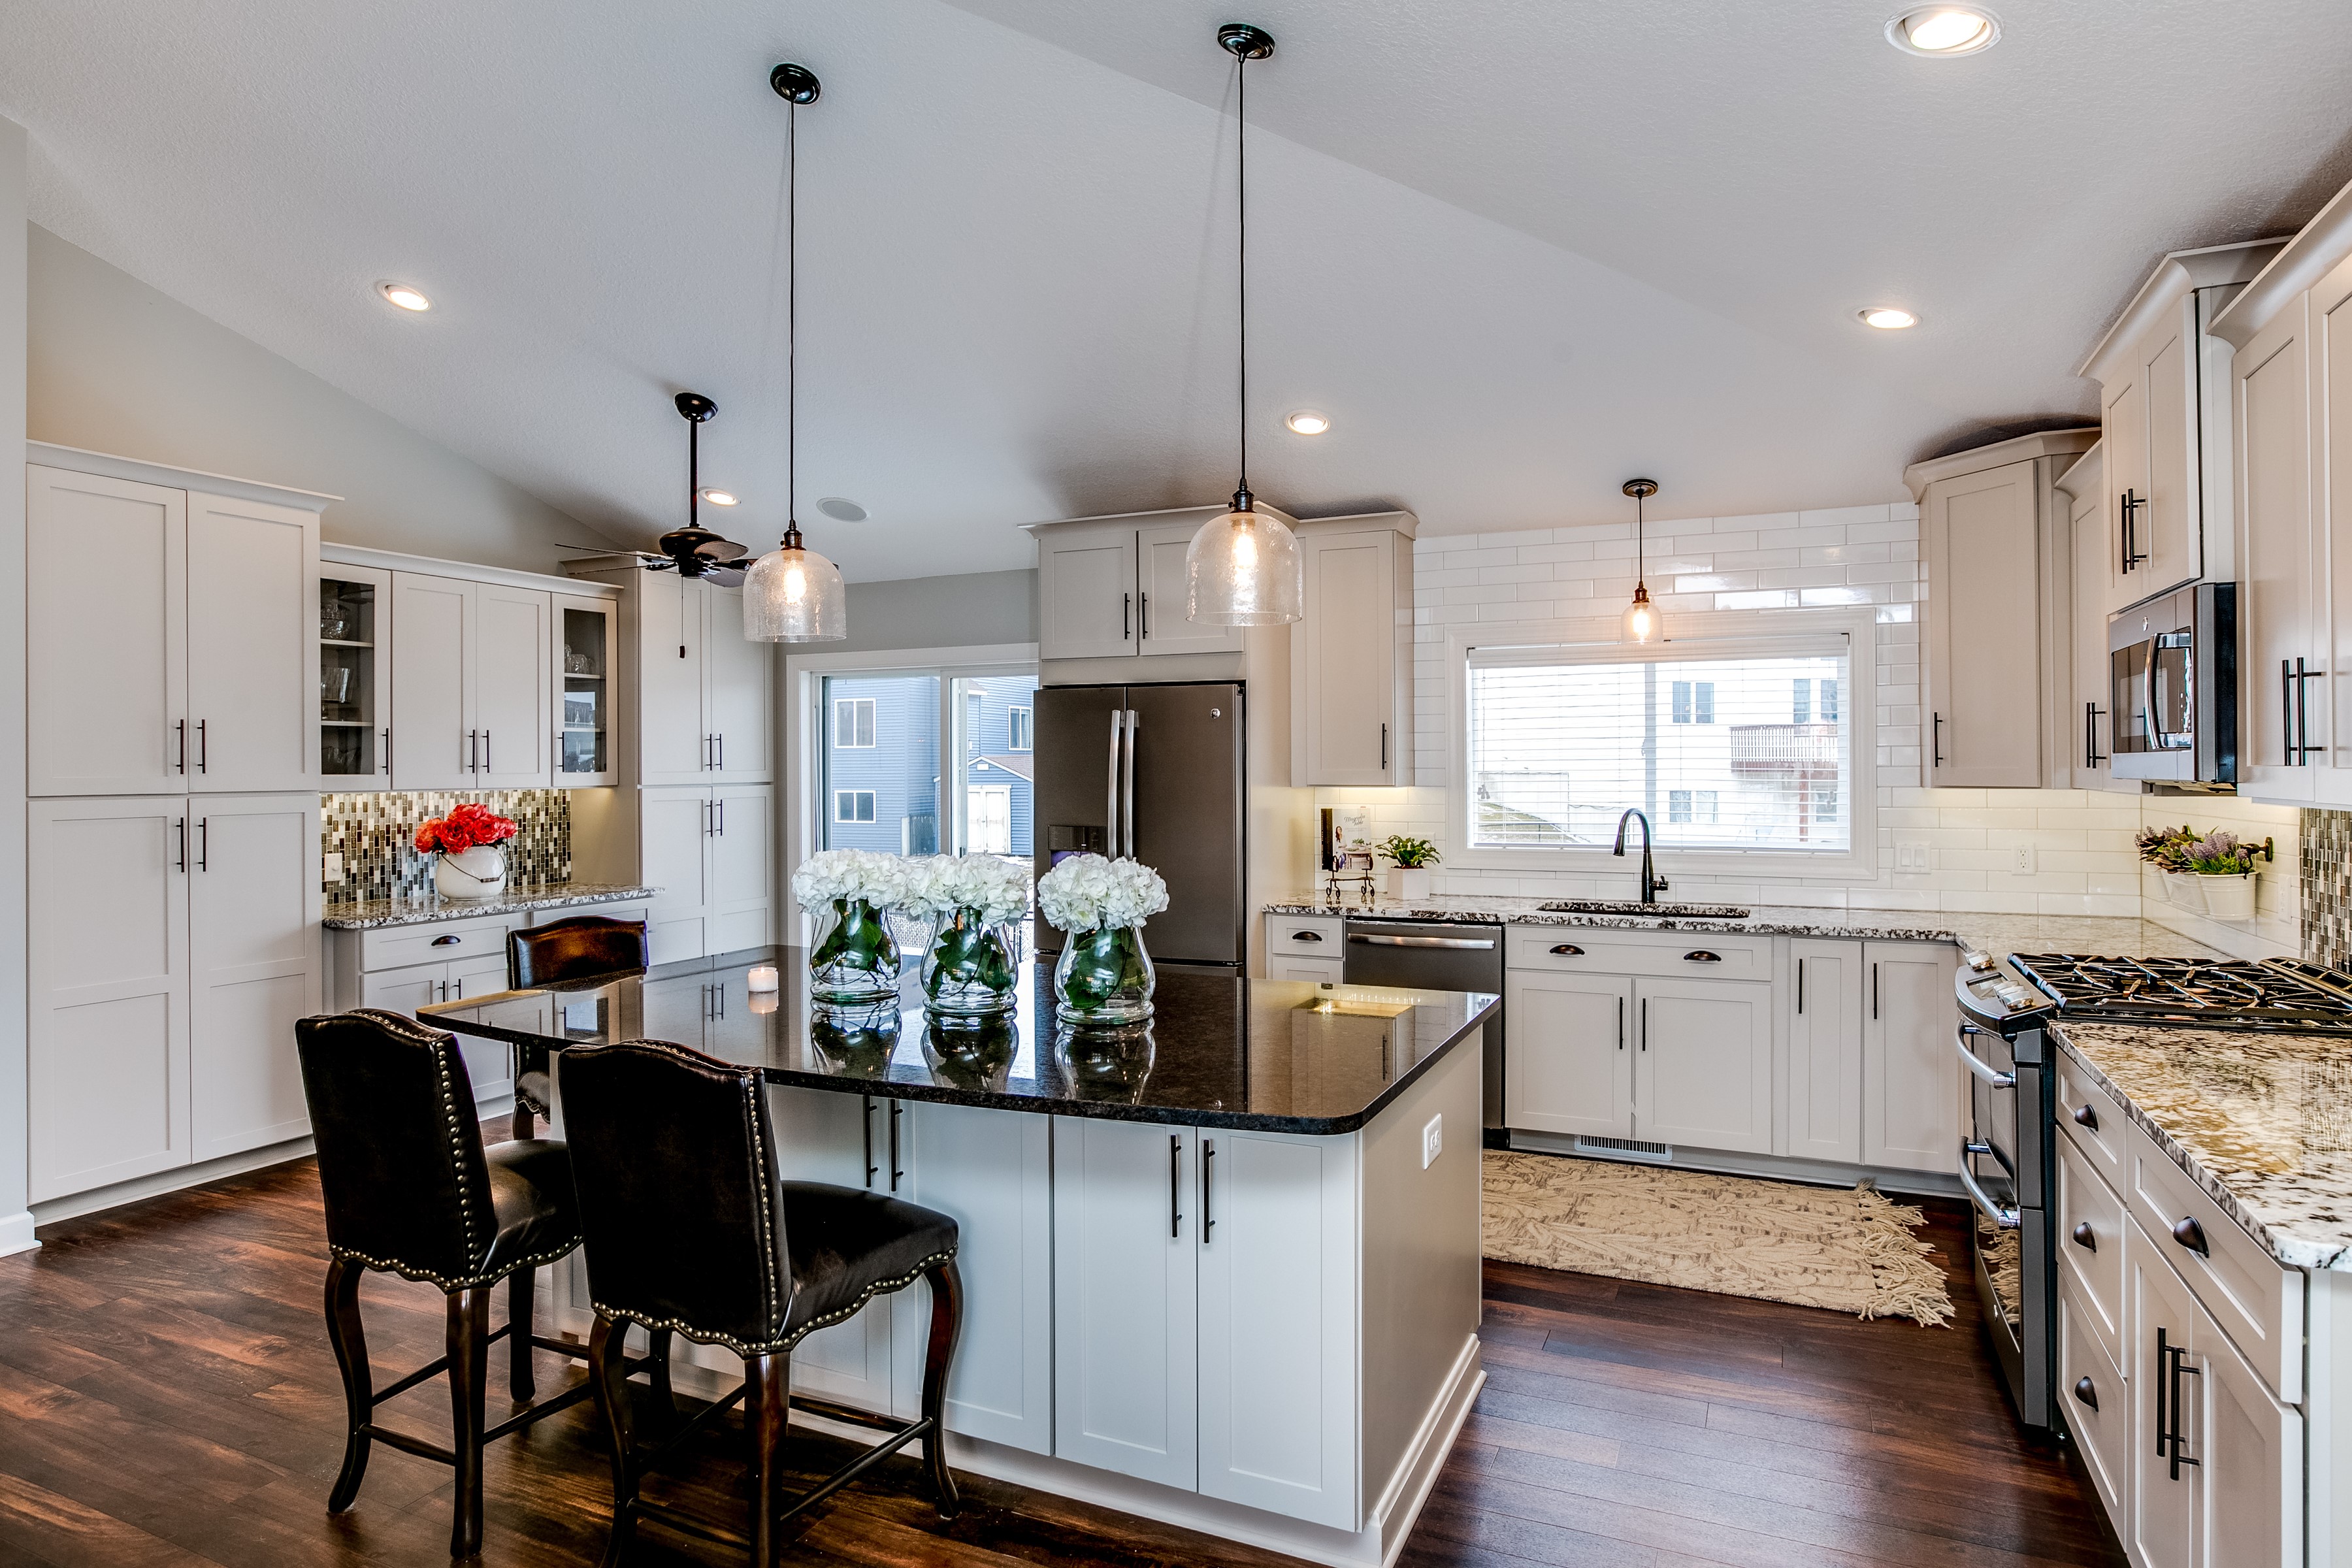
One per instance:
(1261, 1054)
(375, 914)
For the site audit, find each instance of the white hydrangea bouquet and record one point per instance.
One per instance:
(1104, 976)
(852, 957)
(969, 970)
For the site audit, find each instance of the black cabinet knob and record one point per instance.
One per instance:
(1569, 950)
(2086, 1391)
(2191, 1235)
(2086, 1116)
(2085, 1237)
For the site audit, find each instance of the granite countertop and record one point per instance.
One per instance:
(1270, 1056)
(2262, 1122)
(374, 914)
(2114, 936)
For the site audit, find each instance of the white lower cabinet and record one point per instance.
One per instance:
(171, 951)
(488, 1063)
(1572, 1066)
(2096, 1399)
(711, 849)
(1703, 1063)
(1825, 1079)
(1910, 1087)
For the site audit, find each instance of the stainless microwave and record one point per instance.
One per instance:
(2172, 683)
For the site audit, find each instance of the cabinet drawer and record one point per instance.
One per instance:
(1583, 950)
(2091, 1246)
(2092, 1117)
(1305, 936)
(396, 946)
(2092, 1397)
(2256, 1301)
(1317, 971)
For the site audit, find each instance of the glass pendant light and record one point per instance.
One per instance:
(1243, 568)
(1643, 623)
(793, 593)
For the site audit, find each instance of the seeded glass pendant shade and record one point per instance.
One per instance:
(1243, 568)
(1641, 621)
(793, 593)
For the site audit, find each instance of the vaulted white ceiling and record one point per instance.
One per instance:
(1519, 249)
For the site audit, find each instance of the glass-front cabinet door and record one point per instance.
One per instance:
(584, 696)
(354, 677)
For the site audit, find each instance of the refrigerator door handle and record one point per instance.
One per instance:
(1126, 786)
(1110, 803)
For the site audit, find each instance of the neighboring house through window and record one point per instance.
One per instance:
(853, 723)
(853, 806)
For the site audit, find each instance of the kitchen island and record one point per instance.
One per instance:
(1221, 1271)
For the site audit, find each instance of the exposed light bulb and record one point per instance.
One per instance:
(795, 584)
(1641, 623)
(1887, 318)
(407, 298)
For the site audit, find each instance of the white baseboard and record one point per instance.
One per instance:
(16, 1233)
(1770, 1167)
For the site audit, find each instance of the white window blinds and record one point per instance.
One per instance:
(1730, 749)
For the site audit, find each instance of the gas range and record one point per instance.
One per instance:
(2275, 995)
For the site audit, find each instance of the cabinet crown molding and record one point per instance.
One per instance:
(1145, 518)
(2081, 479)
(2302, 262)
(74, 460)
(1398, 522)
(2210, 267)
(1999, 455)
(465, 571)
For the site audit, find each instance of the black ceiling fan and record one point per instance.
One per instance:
(695, 551)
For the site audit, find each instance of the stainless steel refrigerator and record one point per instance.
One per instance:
(1156, 772)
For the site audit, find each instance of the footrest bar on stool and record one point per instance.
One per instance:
(408, 1445)
(854, 1469)
(653, 1456)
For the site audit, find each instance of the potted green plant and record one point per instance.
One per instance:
(1409, 860)
(2166, 849)
(2225, 871)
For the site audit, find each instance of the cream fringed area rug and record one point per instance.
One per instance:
(1851, 1251)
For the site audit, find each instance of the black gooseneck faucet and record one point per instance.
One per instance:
(1651, 883)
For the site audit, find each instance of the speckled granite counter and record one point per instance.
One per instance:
(373, 914)
(2262, 1122)
(2109, 935)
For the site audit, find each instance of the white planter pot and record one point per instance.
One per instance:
(1409, 886)
(2228, 898)
(2182, 888)
(476, 873)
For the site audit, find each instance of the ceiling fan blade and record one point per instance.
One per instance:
(719, 550)
(725, 576)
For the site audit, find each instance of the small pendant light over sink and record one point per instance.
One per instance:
(1243, 568)
(1643, 623)
(793, 593)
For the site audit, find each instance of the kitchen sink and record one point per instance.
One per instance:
(1636, 907)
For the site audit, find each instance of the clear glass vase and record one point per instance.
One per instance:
(969, 970)
(854, 958)
(1104, 978)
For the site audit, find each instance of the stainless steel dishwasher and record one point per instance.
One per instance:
(1436, 956)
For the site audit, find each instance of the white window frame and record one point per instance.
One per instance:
(1707, 635)
(872, 797)
(873, 723)
(1028, 728)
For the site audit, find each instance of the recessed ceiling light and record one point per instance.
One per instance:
(841, 510)
(407, 298)
(1944, 30)
(1307, 421)
(718, 497)
(1887, 319)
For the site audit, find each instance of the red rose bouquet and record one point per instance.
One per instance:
(468, 826)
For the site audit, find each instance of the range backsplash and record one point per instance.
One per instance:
(375, 833)
(2326, 874)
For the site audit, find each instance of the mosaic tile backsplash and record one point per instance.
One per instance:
(376, 833)
(2327, 888)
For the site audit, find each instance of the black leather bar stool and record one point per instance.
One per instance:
(410, 1190)
(584, 947)
(688, 1229)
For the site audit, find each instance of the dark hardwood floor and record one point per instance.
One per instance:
(167, 1398)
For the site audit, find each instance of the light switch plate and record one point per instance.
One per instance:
(334, 869)
(1433, 1140)
(1912, 854)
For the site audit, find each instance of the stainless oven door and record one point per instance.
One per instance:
(2002, 1162)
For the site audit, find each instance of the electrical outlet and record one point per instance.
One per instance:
(334, 869)
(2021, 859)
(1433, 1140)
(1912, 854)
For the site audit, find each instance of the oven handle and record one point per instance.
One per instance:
(2004, 1217)
(1977, 1064)
(1455, 942)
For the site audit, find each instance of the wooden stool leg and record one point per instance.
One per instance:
(469, 1376)
(522, 1288)
(608, 1374)
(658, 1345)
(947, 1324)
(768, 1402)
(350, 1339)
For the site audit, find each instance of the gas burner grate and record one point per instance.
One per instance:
(2279, 995)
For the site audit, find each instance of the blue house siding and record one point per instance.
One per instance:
(901, 768)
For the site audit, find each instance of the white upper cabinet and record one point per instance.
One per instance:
(738, 691)
(2282, 597)
(1113, 588)
(512, 685)
(431, 742)
(1163, 593)
(1352, 653)
(2087, 725)
(472, 684)
(205, 651)
(704, 694)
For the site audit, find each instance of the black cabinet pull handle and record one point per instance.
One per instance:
(1801, 985)
(1208, 1159)
(2191, 1235)
(1569, 950)
(2086, 1116)
(1126, 608)
(181, 826)
(183, 727)
(1939, 740)
(1645, 1022)
(1175, 1183)
(2085, 1392)
(871, 1166)
(203, 843)
(2092, 755)
(898, 1109)
(2085, 1237)
(1143, 616)
(452, 940)
(1385, 745)
(204, 746)
(1621, 1023)
(1701, 955)
(1307, 936)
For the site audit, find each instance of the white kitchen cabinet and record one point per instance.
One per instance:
(1824, 1063)
(204, 655)
(1113, 588)
(1126, 1298)
(586, 659)
(1910, 1087)
(254, 905)
(1352, 653)
(738, 693)
(1314, 971)
(472, 684)
(1570, 1068)
(2095, 1403)
(843, 1139)
(702, 692)
(489, 1065)
(2089, 754)
(2236, 1495)
(1163, 595)
(1703, 1063)
(354, 663)
(2283, 595)
(711, 853)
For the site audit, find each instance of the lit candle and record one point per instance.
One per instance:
(762, 978)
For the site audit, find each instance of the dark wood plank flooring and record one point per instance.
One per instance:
(167, 1398)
